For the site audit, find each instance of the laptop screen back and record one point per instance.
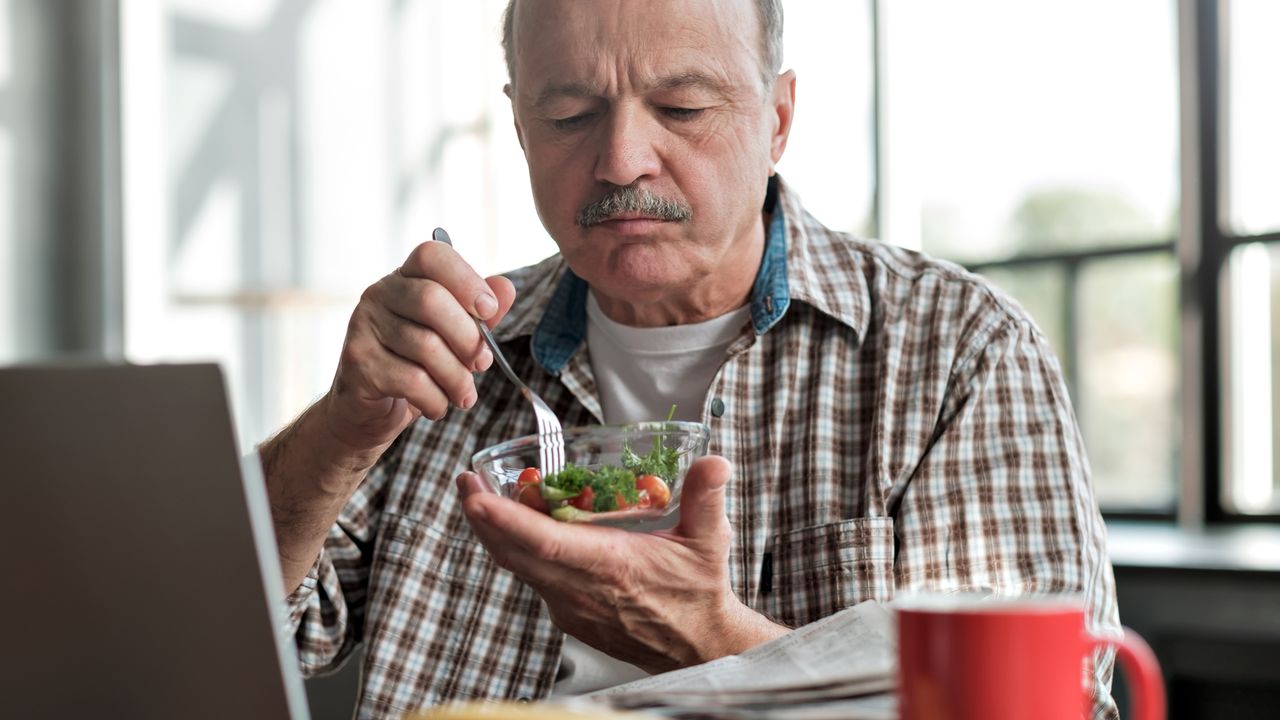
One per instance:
(142, 579)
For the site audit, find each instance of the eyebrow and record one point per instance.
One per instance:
(554, 92)
(692, 79)
(678, 81)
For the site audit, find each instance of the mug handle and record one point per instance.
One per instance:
(1142, 671)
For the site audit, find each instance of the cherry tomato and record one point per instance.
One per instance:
(584, 500)
(659, 493)
(641, 503)
(529, 476)
(530, 494)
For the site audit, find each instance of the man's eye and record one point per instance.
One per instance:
(679, 113)
(572, 122)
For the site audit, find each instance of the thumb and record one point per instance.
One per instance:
(505, 291)
(702, 497)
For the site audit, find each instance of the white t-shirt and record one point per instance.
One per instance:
(640, 373)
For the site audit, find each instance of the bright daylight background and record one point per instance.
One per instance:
(281, 155)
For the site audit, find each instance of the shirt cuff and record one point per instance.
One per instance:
(298, 601)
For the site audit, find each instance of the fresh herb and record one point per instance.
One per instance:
(571, 479)
(661, 461)
(608, 484)
(612, 484)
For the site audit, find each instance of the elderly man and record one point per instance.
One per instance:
(880, 422)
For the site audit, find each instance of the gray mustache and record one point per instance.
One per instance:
(632, 199)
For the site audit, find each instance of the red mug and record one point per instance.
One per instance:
(962, 657)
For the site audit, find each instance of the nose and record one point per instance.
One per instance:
(628, 147)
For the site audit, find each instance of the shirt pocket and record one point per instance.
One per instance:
(822, 569)
(417, 551)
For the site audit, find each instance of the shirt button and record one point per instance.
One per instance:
(717, 407)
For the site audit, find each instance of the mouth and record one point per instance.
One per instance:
(632, 223)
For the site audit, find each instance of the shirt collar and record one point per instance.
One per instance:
(826, 269)
(796, 265)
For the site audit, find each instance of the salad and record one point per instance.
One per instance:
(576, 494)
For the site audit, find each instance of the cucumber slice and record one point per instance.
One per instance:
(553, 493)
(569, 513)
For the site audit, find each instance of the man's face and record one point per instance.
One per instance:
(663, 97)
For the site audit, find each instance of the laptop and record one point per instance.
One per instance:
(140, 577)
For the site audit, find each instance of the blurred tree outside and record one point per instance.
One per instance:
(1073, 218)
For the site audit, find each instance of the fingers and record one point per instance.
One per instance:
(702, 498)
(413, 338)
(428, 350)
(388, 375)
(423, 314)
(439, 262)
(429, 304)
(526, 541)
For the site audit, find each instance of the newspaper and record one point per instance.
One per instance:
(842, 666)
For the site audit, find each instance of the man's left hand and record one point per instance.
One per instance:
(657, 600)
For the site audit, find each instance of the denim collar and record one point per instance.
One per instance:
(563, 326)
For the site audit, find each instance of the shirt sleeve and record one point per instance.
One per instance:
(327, 611)
(1002, 502)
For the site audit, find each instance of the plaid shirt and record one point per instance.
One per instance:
(894, 424)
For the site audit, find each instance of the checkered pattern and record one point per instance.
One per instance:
(894, 424)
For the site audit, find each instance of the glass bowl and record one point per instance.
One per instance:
(620, 475)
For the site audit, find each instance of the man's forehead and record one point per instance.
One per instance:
(577, 44)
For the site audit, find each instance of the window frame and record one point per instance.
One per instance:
(1205, 272)
(1202, 249)
(1203, 246)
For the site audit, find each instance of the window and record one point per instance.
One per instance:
(1048, 136)
(830, 159)
(1247, 233)
(1112, 166)
(282, 155)
(1059, 147)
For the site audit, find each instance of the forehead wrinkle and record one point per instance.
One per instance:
(617, 51)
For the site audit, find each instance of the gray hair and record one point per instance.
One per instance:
(770, 39)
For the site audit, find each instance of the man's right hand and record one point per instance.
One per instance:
(410, 350)
(412, 346)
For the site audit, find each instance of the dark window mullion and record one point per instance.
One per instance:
(1076, 256)
(1205, 282)
(1231, 242)
(1071, 331)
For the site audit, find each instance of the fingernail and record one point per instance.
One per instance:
(486, 306)
(484, 360)
(468, 402)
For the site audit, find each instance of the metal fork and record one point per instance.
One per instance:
(550, 431)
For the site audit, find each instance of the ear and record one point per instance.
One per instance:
(784, 105)
(506, 90)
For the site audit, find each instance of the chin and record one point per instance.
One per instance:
(647, 270)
